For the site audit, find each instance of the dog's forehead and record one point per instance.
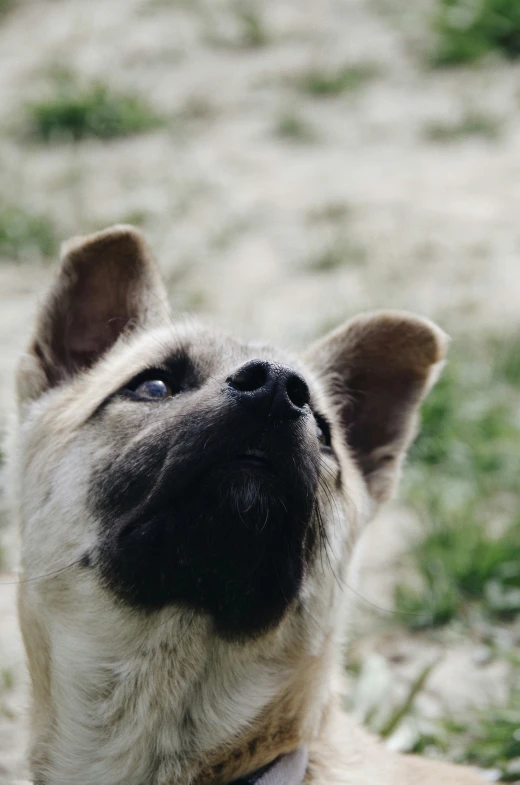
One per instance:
(211, 352)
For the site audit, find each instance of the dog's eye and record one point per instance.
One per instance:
(151, 385)
(323, 430)
(154, 389)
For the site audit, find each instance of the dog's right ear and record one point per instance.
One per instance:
(107, 285)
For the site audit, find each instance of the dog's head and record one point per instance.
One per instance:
(194, 469)
(169, 466)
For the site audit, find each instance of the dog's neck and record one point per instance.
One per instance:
(181, 706)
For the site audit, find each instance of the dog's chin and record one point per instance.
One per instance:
(235, 549)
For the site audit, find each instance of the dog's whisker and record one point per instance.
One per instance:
(43, 576)
(380, 609)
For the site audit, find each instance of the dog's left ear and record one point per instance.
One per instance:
(107, 285)
(376, 369)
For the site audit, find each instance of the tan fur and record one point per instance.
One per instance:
(124, 698)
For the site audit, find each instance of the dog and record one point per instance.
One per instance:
(188, 505)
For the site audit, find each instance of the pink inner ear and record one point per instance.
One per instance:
(378, 407)
(103, 288)
(108, 283)
(103, 309)
(89, 341)
(377, 369)
(100, 304)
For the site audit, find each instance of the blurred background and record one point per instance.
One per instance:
(293, 163)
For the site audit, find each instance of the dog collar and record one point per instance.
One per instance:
(286, 770)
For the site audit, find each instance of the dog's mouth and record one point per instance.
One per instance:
(225, 537)
(254, 458)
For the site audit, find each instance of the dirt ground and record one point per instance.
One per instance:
(240, 213)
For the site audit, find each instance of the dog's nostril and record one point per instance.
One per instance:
(297, 391)
(272, 389)
(252, 376)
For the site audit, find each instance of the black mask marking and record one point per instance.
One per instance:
(210, 508)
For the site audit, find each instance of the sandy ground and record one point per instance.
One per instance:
(237, 214)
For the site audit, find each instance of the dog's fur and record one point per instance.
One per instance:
(183, 613)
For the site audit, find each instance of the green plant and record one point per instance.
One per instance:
(489, 739)
(135, 217)
(342, 252)
(495, 739)
(331, 212)
(25, 233)
(463, 482)
(185, 4)
(507, 360)
(392, 722)
(6, 6)
(322, 82)
(7, 679)
(472, 123)
(468, 29)
(243, 27)
(461, 562)
(293, 128)
(76, 111)
(468, 429)
(253, 32)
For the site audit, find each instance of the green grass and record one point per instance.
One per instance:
(25, 234)
(494, 740)
(136, 217)
(331, 213)
(489, 739)
(253, 32)
(342, 252)
(463, 482)
(325, 83)
(75, 111)
(6, 679)
(292, 127)
(506, 356)
(246, 28)
(472, 123)
(6, 6)
(6, 685)
(185, 4)
(466, 30)
(461, 564)
(469, 429)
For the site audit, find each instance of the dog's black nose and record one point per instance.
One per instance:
(270, 389)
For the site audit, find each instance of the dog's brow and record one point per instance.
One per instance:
(177, 363)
